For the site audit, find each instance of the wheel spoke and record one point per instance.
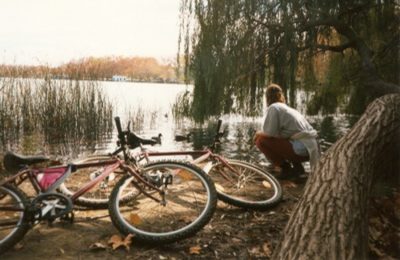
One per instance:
(189, 204)
(244, 185)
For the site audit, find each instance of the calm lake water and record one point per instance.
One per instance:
(149, 108)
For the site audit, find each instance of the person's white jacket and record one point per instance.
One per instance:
(309, 139)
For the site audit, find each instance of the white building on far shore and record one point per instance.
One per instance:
(119, 78)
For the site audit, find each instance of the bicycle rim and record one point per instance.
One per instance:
(190, 201)
(13, 225)
(246, 185)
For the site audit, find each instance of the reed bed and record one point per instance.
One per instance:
(141, 119)
(60, 110)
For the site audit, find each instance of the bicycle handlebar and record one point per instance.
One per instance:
(220, 131)
(129, 138)
(218, 135)
(219, 126)
(121, 135)
(118, 124)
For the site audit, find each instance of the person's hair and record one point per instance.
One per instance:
(274, 94)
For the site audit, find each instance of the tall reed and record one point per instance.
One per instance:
(141, 119)
(61, 110)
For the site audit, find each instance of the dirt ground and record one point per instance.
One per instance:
(233, 233)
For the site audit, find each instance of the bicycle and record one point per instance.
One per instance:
(238, 183)
(158, 203)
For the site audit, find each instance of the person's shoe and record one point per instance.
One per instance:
(286, 172)
(298, 168)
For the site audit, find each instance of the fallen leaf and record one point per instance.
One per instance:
(195, 250)
(185, 175)
(116, 242)
(115, 239)
(267, 249)
(267, 184)
(62, 251)
(135, 219)
(97, 246)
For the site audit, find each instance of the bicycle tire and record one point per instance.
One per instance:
(254, 188)
(9, 196)
(190, 203)
(98, 197)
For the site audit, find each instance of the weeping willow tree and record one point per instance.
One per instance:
(227, 59)
(337, 49)
(347, 54)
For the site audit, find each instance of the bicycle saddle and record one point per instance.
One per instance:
(14, 162)
(135, 141)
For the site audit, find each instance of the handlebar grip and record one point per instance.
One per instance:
(121, 136)
(219, 126)
(118, 124)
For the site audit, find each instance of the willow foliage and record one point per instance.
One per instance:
(233, 48)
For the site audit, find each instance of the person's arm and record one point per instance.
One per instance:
(271, 123)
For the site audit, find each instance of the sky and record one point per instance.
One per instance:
(53, 32)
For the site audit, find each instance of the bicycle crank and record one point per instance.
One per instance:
(49, 206)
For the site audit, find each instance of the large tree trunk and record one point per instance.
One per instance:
(330, 221)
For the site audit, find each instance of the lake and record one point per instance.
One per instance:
(148, 106)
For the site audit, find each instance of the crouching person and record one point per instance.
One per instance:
(287, 139)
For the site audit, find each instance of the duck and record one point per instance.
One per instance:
(180, 138)
(157, 138)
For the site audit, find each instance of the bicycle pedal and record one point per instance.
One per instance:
(68, 218)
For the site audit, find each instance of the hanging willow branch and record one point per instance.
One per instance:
(236, 47)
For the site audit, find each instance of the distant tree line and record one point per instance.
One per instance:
(144, 69)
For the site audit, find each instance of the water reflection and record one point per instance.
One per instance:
(37, 115)
(327, 129)
(149, 108)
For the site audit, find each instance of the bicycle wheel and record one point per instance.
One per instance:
(13, 218)
(187, 205)
(98, 196)
(245, 185)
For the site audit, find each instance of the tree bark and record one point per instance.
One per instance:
(330, 221)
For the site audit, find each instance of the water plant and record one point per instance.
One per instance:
(60, 110)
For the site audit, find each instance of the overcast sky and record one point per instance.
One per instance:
(56, 31)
